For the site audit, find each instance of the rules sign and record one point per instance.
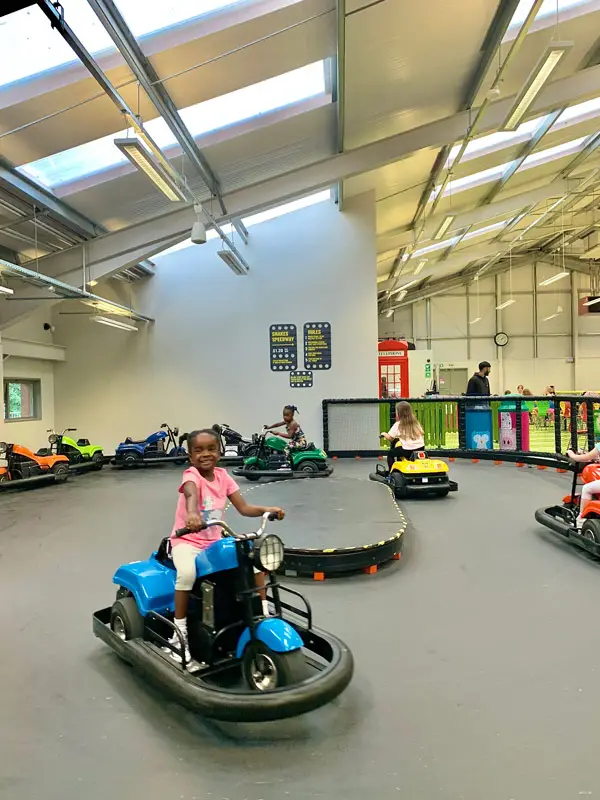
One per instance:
(317, 345)
(284, 347)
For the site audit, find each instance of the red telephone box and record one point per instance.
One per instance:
(393, 368)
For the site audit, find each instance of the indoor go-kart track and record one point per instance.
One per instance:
(477, 657)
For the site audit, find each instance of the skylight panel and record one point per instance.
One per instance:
(243, 104)
(145, 17)
(548, 9)
(483, 145)
(579, 112)
(552, 153)
(30, 46)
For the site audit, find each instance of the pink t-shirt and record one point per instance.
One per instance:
(407, 444)
(212, 499)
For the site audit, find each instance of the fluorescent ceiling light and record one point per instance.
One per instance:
(92, 283)
(505, 304)
(420, 266)
(232, 262)
(390, 313)
(557, 313)
(535, 82)
(444, 226)
(141, 158)
(6, 290)
(473, 321)
(592, 302)
(403, 288)
(114, 323)
(559, 276)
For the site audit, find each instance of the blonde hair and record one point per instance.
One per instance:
(408, 425)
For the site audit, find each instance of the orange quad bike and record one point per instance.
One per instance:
(20, 466)
(562, 519)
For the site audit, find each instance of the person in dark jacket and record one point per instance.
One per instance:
(479, 384)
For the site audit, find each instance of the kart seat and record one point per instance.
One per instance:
(163, 554)
(83, 442)
(129, 440)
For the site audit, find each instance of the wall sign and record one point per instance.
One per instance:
(317, 345)
(301, 379)
(284, 347)
(428, 370)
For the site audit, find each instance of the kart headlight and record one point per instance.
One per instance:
(2, 448)
(269, 552)
(53, 438)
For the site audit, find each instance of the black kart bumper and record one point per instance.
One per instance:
(220, 703)
(551, 518)
(280, 475)
(413, 489)
(22, 482)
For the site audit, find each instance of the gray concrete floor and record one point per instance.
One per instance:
(476, 659)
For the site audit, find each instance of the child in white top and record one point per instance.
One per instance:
(406, 434)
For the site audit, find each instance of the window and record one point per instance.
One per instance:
(22, 399)
(547, 11)
(210, 115)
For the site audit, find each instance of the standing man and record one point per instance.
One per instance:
(479, 384)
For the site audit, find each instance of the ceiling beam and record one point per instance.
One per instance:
(476, 216)
(117, 29)
(43, 199)
(493, 40)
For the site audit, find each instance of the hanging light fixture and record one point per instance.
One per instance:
(114, 323)
(535, 82)
(134, 150)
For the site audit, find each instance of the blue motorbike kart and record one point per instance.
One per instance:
(248, 667)
(160, 447)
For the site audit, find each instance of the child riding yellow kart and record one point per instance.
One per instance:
(418, 474)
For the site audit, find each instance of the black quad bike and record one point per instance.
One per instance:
(246, 667)
(234, 447)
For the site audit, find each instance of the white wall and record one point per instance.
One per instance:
(30, 330)
(563, 351)
(206, 359)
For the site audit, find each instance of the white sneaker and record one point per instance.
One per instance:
(190, 664)
(284, 468)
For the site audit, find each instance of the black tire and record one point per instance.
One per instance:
(122, 592)
(443, 492)
(250, 451)
(125, 619)
(264, 670)
(252, 468)
(591, 530)
(130, 459)
(4, 478)
(398, 484)
(98, 461)
(308, 466)
(61, 471)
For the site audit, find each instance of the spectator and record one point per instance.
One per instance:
(479, 384)
(508, 391)
(520, 389)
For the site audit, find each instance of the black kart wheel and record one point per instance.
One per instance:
(122, 592)
(4, 478)
(398, 484)
(131, 459)
(61, 471)
(308, 466)
(125, 619)
(98, 461)
(264, 670)
(443, 492)
(252, 468)
(591, 530)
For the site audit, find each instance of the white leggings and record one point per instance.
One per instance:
(588, 490)
(184, 558)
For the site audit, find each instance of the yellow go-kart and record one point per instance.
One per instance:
(418, 475)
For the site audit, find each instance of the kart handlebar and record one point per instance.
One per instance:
(213, 523)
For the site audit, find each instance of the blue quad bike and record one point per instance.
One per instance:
(252, 668)
(160, 447)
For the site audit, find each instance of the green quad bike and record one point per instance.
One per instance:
(265, 458)
(81, 454)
